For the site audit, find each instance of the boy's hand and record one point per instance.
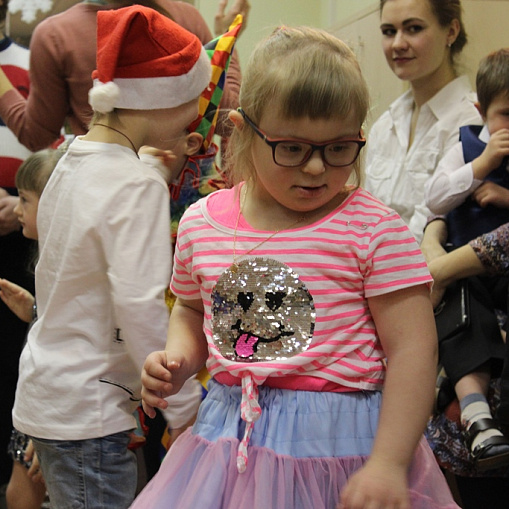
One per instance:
(34, 472)
(491, 158)
(161, 377)
(166, 156)
(490, 193)
(161, 160)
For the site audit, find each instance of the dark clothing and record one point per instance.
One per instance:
(483, 492)
(15, 253)
(481, 341)
(470, 220)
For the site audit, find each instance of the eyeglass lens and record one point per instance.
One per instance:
(340, 153)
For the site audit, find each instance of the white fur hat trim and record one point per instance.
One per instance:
(103, 96)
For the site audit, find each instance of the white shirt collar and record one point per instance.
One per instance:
(439, 104)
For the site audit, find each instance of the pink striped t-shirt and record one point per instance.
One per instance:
(360, 250)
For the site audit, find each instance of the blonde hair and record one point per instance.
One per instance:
(36, 169)
(301, 72)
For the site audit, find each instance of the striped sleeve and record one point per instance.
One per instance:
(182, 283)
(394, 259)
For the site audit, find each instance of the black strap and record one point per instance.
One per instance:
(476, 427)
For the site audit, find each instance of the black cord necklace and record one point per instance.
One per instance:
(121, 133)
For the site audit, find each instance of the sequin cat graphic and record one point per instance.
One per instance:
(261, 311)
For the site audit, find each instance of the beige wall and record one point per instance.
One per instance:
(265, 15)
(336, 11)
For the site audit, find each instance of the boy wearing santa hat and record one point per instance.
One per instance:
(105, 260)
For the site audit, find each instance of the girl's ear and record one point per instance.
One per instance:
(236, 118)
(193, 143)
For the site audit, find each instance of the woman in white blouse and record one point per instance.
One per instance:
(420, 39)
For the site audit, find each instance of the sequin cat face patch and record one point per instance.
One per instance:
(261, 311)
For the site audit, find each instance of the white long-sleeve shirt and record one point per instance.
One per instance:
(397, 174)
(453, 180)
(105, 262)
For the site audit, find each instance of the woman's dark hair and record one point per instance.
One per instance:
(446, 11)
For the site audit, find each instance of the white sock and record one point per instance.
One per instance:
(473, 412)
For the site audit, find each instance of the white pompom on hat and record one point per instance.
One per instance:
(146, 61)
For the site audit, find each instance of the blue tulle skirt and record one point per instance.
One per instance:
(301, 453)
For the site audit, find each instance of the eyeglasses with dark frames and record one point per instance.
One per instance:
(289, 153)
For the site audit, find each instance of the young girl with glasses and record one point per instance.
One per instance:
(306, 297)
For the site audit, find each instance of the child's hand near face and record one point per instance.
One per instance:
(165, 156)
(17, 299)
(496, 149)
(162, 160)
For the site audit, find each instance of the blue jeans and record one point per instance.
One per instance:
(99, 473)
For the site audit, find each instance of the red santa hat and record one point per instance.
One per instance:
(145, 61)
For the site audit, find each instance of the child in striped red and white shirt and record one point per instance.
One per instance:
(294, 287)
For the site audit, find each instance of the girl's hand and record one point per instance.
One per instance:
(376, 485)
(34, 472)
(17, 299)
(162, 376)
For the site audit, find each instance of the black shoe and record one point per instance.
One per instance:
(490, 453)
